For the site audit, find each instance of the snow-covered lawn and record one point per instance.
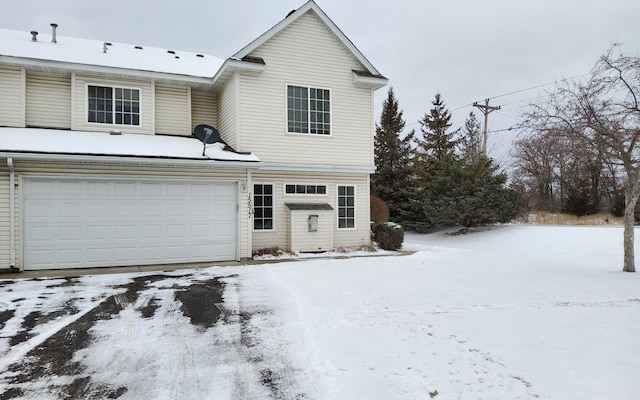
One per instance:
(512, 312)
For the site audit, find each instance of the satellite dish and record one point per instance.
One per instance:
(206, 134)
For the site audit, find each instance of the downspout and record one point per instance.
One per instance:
(12, 213)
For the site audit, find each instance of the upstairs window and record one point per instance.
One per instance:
(308, 110)
(113, 105)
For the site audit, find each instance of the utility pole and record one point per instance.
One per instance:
(486, 109)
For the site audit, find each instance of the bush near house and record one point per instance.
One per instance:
(379, 210)
(389, 236)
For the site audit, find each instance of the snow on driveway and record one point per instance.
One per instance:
(512, 312)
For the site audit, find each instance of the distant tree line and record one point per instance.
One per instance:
(438, 176)
(581, 153)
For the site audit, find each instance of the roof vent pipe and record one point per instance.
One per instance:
(53, 33)
(34, 36)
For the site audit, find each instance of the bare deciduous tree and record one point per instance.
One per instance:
(603, 113)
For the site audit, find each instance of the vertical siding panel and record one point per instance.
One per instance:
(204, 109)
(48, 102)
(5, 238)
(172, 114)
(11, 97)
(227, 113)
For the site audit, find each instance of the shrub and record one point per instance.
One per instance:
(379, 210)
(389, 236)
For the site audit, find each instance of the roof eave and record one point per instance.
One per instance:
(129, 160)
(89, 68)
(376, 82)
(232, 65)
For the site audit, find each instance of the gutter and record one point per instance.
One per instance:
(12, 213)
(114, 160)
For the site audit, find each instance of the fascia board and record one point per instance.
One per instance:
(80, 68)
(347, 169)
(111, 160)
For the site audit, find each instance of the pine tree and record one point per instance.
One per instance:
(471, 140)
(393, 154)
(437, 144)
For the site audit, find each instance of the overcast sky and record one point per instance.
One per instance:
(467, 50)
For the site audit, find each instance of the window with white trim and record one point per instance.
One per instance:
(308, 110)
(262, 207)
(113, 105)
(301, 188)
(346, 207)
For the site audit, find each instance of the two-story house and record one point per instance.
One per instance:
(99, 166)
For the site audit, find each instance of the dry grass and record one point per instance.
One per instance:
(274, 251)
(365, 247)
(548, 218)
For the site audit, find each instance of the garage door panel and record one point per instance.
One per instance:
(76, 223)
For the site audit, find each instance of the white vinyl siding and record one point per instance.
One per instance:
(12, 83)
(173, 110)
(306, 53)
(5, 238)
(80, 104)
(227, 114)
(303, 239)
(281, 235)
(48, 100)
(141, 172)
(204, 109)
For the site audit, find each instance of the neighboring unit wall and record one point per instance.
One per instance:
(306, 54)
(173, 110)
(12, 82)
(204, 109)
(281, 235)
(79, 122)
(48, 100)
(227, 112)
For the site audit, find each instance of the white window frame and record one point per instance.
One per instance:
(286, 107)
(113, 104)
(305, 184)
(355, 206)
(273, 206)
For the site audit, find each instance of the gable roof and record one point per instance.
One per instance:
(293, 16)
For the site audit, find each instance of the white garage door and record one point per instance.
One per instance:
(82, 223)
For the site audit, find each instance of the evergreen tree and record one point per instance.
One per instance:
(392, 179)
(471, 140)
(470, 195)
(437, 144)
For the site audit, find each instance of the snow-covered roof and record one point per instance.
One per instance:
(117, 55)
(64, 142)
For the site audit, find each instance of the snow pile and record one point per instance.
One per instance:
(54, 141)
